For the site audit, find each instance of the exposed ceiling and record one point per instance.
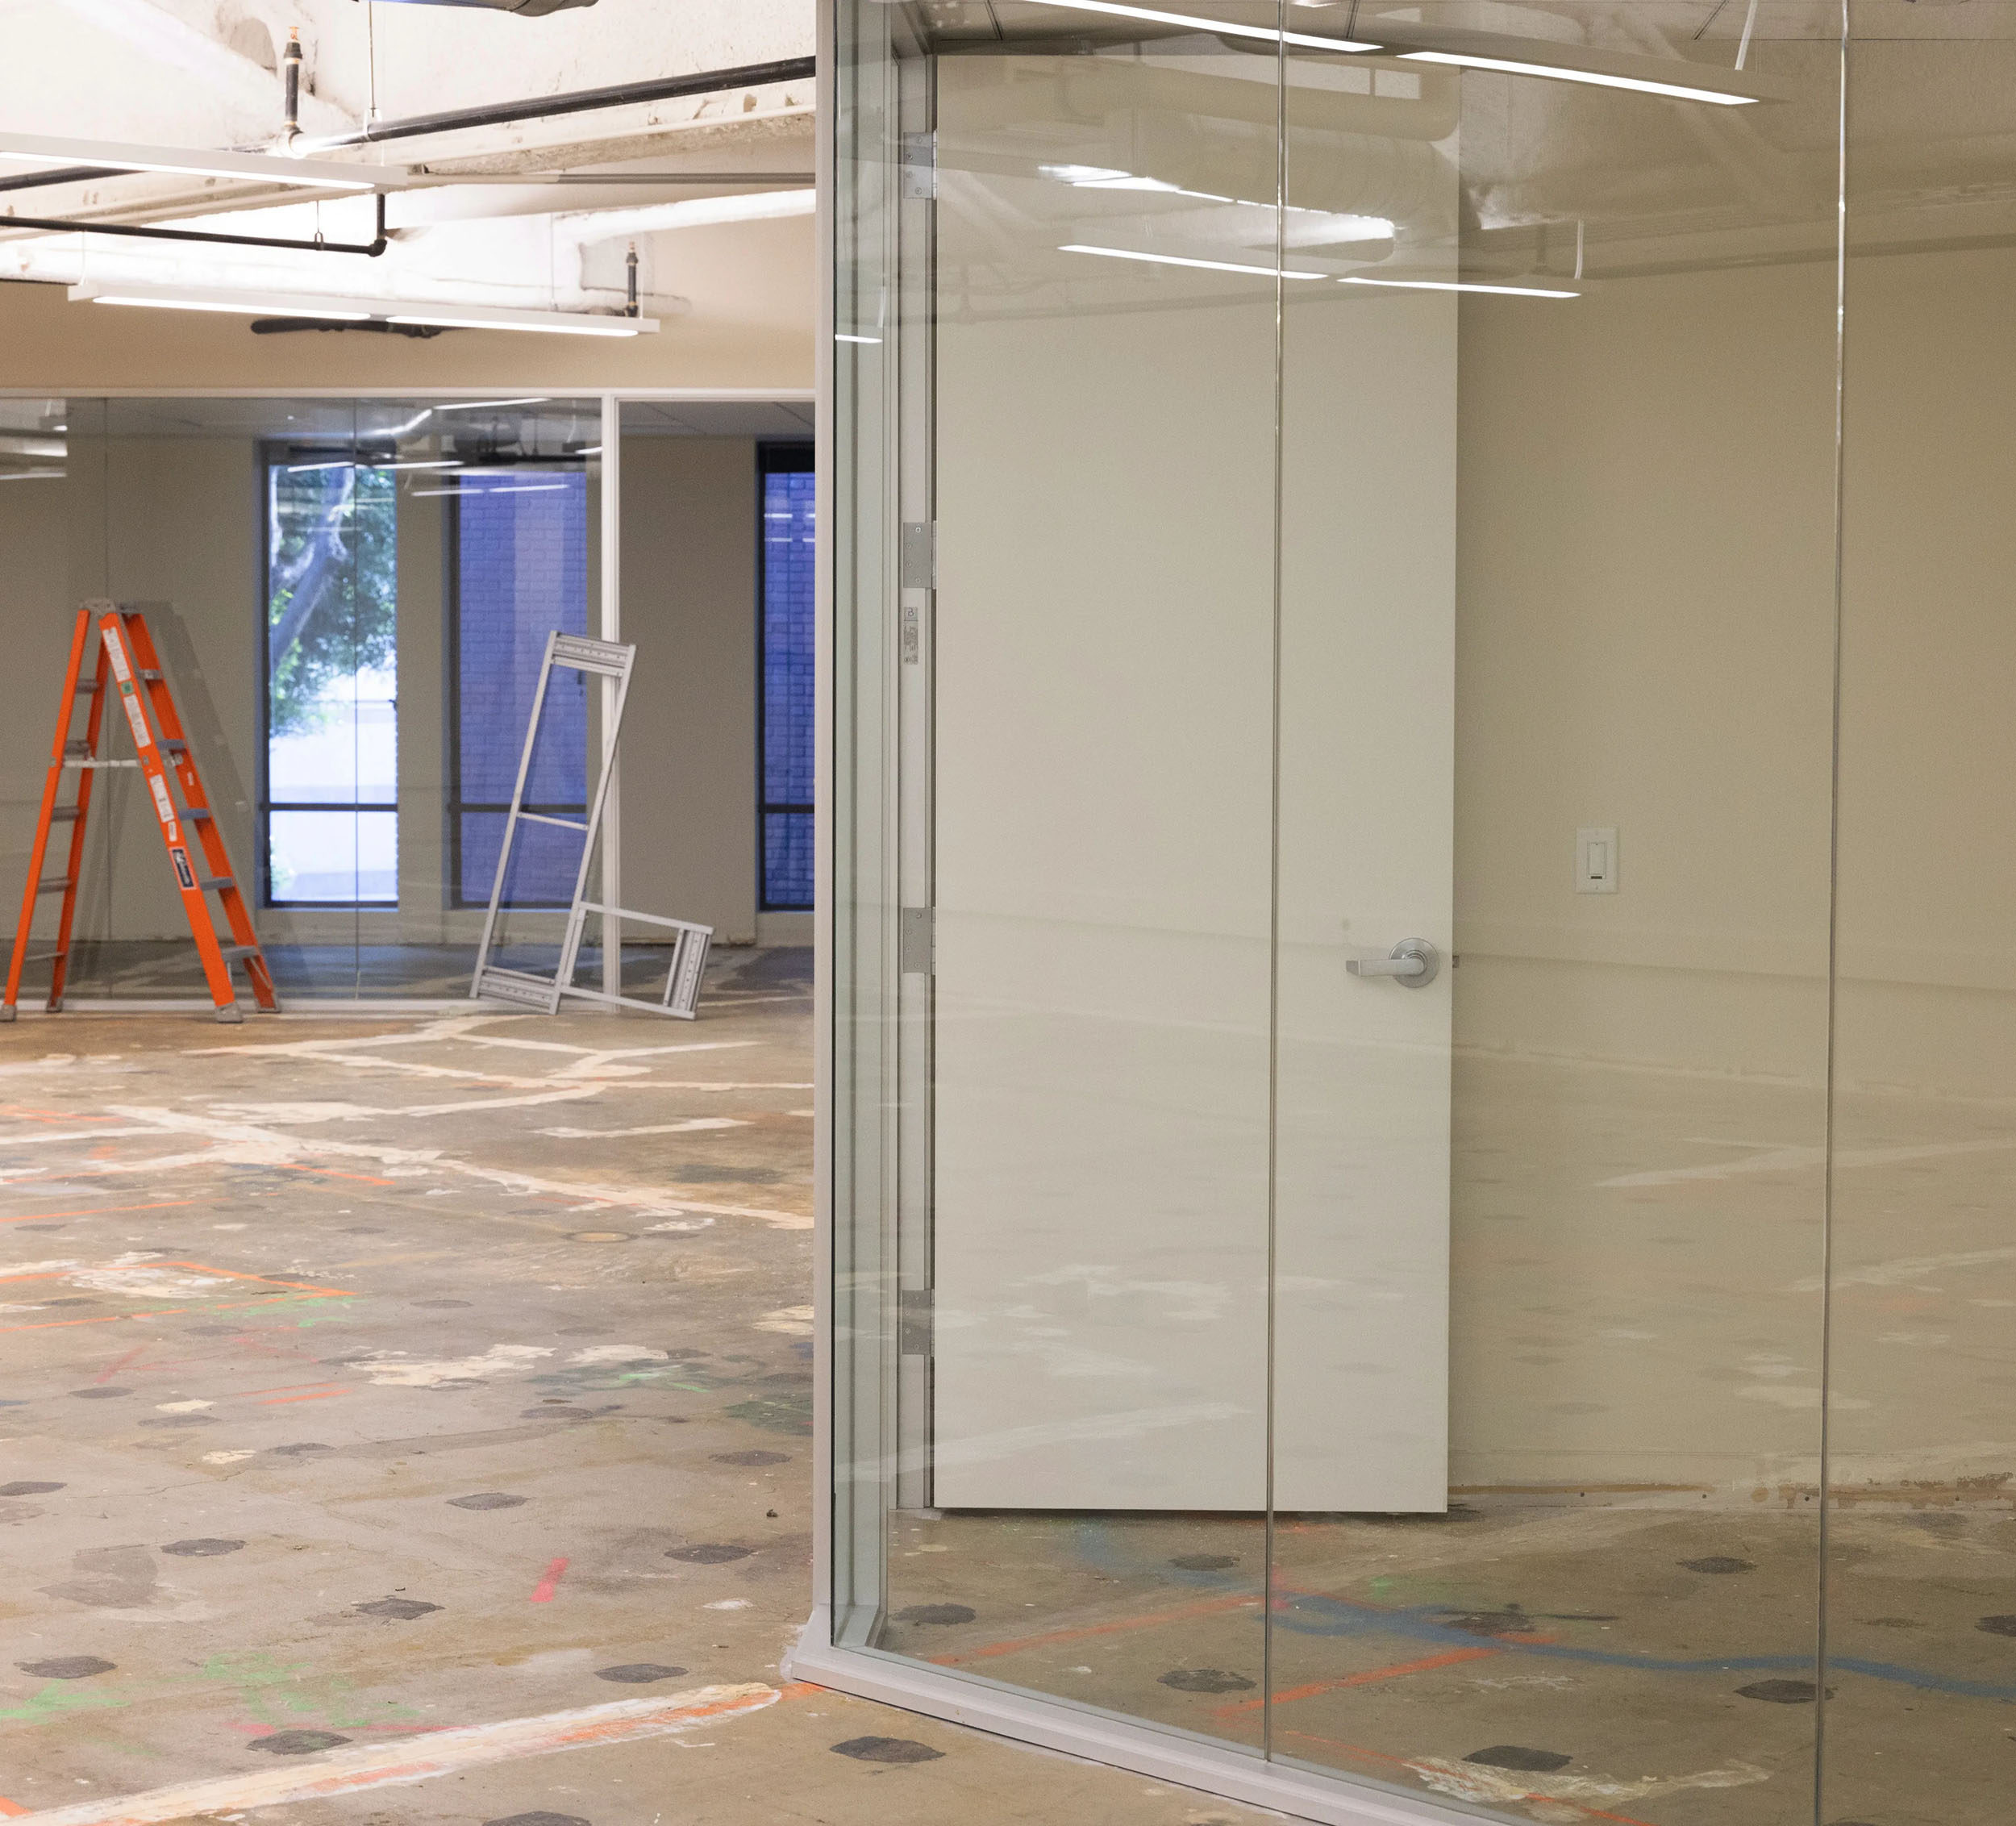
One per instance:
(538, 212)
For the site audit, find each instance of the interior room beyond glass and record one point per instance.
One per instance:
(1420, 950)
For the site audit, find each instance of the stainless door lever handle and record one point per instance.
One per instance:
(1413, 963)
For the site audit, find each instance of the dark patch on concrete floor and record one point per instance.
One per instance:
(716, 1173)
(887, 1749)
(300, 1450)
(638, 1673)
(1998, 1626)
(935, 1613)
(99, 1394)
(110, 1578)
(1519, 1757)
(1204, 1562)
(538, 1819)
(1205, 1680)
(1782, 1692)
(404, 1609)
(775, 1413)
(564, 1411)
(709, 1553)
(1719, 1563)
(1510, 1621)
(67, 1667)
(202, 1548)
(488, 1499)
(444, 1303)
(181, 1420)
(28, 1488)
(296, 1742)
(718, 1457)
(1891, 1623)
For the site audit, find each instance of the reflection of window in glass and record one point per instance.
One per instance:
(787, 711)
(331, 800)
(519, 572)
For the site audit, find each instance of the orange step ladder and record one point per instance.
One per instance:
(126, 664)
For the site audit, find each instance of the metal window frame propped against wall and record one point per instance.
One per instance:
(611, 660)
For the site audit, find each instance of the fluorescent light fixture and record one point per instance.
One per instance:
(1154, 15)
(309, 469)
(487, 405)
(322, 311)
(1600, 79)
(1178, 259)
(513, 488)
(489, 317)
(307, 174)
(324, 308)
(1456, 286)
(33, 475)
(840, 335)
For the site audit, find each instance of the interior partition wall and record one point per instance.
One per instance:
(1417, 830)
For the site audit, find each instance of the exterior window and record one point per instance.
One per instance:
(330, 811)
(519, 570)
(787, 699)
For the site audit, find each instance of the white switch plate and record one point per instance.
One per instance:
(1596, 859)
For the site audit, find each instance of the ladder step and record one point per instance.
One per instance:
(57, 884)
(232, 953)
(64, 815)
(43, 957)
(171, 746)
(147, 673)
(197, 813)
(216, 882)
(85, 686)
(77, 746)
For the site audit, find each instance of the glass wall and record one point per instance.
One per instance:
(352, 600)
(1418, 971)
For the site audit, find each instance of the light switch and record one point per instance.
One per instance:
(1596, 859)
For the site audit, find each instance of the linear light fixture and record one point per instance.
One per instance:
(324, 308)
(1599, 79)
(1179, 260)
(306, 174)
(1456, 286)
(487, 405)
(1154, 15)
(513, 488)
(841, 335)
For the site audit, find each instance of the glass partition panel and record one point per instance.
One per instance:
(351, 599)
(1922, 1560)
(1073, 650)
(1557, 564)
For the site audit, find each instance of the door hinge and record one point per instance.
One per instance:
(920, 165)
(919, 555)
(914, 1321)
(916, 942)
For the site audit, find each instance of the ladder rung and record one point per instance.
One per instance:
(43, 957)
(64, 815)
(231, 953)
(217, 883)
(197, 813)
(540, 817)
(57, 884)
(170, 745)
(86, 686)
(147, 673)
(77, 746)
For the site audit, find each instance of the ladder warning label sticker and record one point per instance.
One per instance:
(164, 804)
(115, 651)
(137, 718)
(180, 857)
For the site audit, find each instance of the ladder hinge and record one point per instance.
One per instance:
(914, 1321)
(920, 164)
(919, 557)
(916, 942)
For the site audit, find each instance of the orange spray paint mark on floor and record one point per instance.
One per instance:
(1212, 1606)
(96, 1211)
(542, 1592)
(9, 1810)
(1370, 1677)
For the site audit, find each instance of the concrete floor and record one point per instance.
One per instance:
(385, 1391)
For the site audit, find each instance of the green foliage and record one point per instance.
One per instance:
(333, 573)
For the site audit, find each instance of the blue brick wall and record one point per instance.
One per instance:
(523, 572)
(787, 685)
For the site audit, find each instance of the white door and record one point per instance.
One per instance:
(1168, 1150)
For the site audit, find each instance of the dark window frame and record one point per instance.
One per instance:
(794, 457)
(455, 806)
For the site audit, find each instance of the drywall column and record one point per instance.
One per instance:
(612, 629)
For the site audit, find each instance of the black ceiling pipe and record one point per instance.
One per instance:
(577, 101)
(141, 231)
